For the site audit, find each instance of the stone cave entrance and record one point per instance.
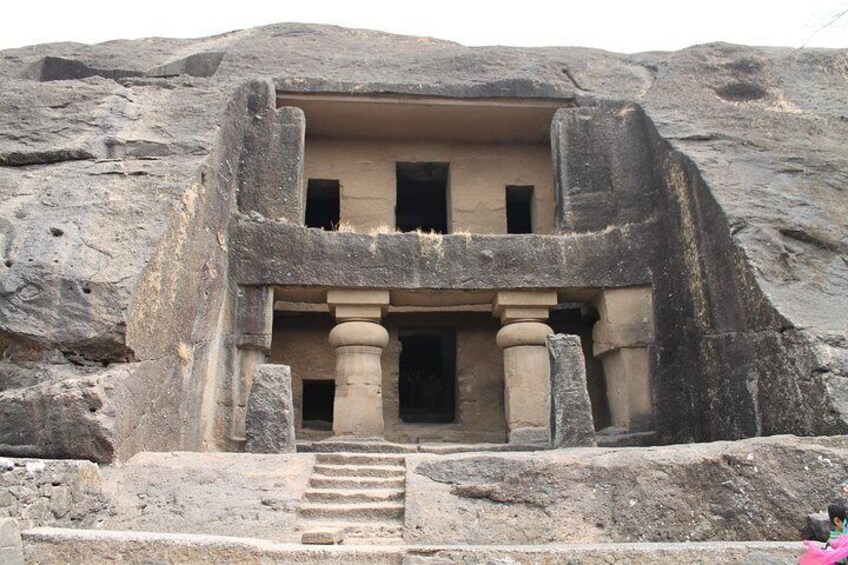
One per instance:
(317, 404)
(427, 375)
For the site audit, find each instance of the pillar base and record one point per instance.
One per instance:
(536, 437)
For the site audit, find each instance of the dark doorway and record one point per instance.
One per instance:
(422, 197)
(317, 404)
(427, 375)
(519, 217)
(322, 204)
(578, 319)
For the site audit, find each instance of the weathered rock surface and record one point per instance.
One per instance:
(11, 546)
(52, 545)
(196, 65)
(817, 527)
(757, 489)
(39, 492)
(293, 255)
(571, 408)
(654, 554)
(117, 194)
(57, 68)
(750, 490)
(48, 545)
(270, 411)
(229, 494)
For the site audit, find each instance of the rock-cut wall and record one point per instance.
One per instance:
(123, 164)
(727, 361)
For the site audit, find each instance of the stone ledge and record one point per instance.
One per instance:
(49, 545)
(276, 253)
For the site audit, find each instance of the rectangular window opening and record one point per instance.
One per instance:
(427, 375)
(422, 197)
(519, 217)
(322, 204)
(317, 404)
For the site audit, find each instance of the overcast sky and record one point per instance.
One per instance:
(621, 25)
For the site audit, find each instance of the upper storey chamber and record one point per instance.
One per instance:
(383, 164)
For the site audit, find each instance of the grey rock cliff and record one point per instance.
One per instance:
(118, 187)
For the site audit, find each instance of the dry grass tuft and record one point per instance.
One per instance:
(626, 111)
(427, 234)
(383, 229)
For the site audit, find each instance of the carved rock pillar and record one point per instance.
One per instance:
(527, 387)
(359, 340)
(623, 338)
(253, 328)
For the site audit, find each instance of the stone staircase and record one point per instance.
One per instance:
(355, 498)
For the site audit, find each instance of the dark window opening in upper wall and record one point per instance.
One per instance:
(422, 197)
(322, 204)
(317, 406)
(427, 375)
(519, 217)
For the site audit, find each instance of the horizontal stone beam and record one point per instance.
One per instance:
(276, 253)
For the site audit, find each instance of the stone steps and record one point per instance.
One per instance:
(350, 447)
(379, 459)
(355, 497)
(324, 482)
(359, 470)
(358, 530)
(342, 495)
(365, 511)
(354, 540)
(355, 446)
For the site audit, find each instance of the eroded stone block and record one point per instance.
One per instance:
(571, 408)
(269, 424)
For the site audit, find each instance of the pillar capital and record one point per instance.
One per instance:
(524, 305)
(626, 319)
(358, 304)
(523, 333)
(368, 334)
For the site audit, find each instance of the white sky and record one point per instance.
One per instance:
(615, 25)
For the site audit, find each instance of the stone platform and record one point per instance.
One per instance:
(341, 445)
(712, 503)
(49, 546)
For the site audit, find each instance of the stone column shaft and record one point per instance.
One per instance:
(359, 340)
(253, 328)
(622, 341)
(527, 371)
